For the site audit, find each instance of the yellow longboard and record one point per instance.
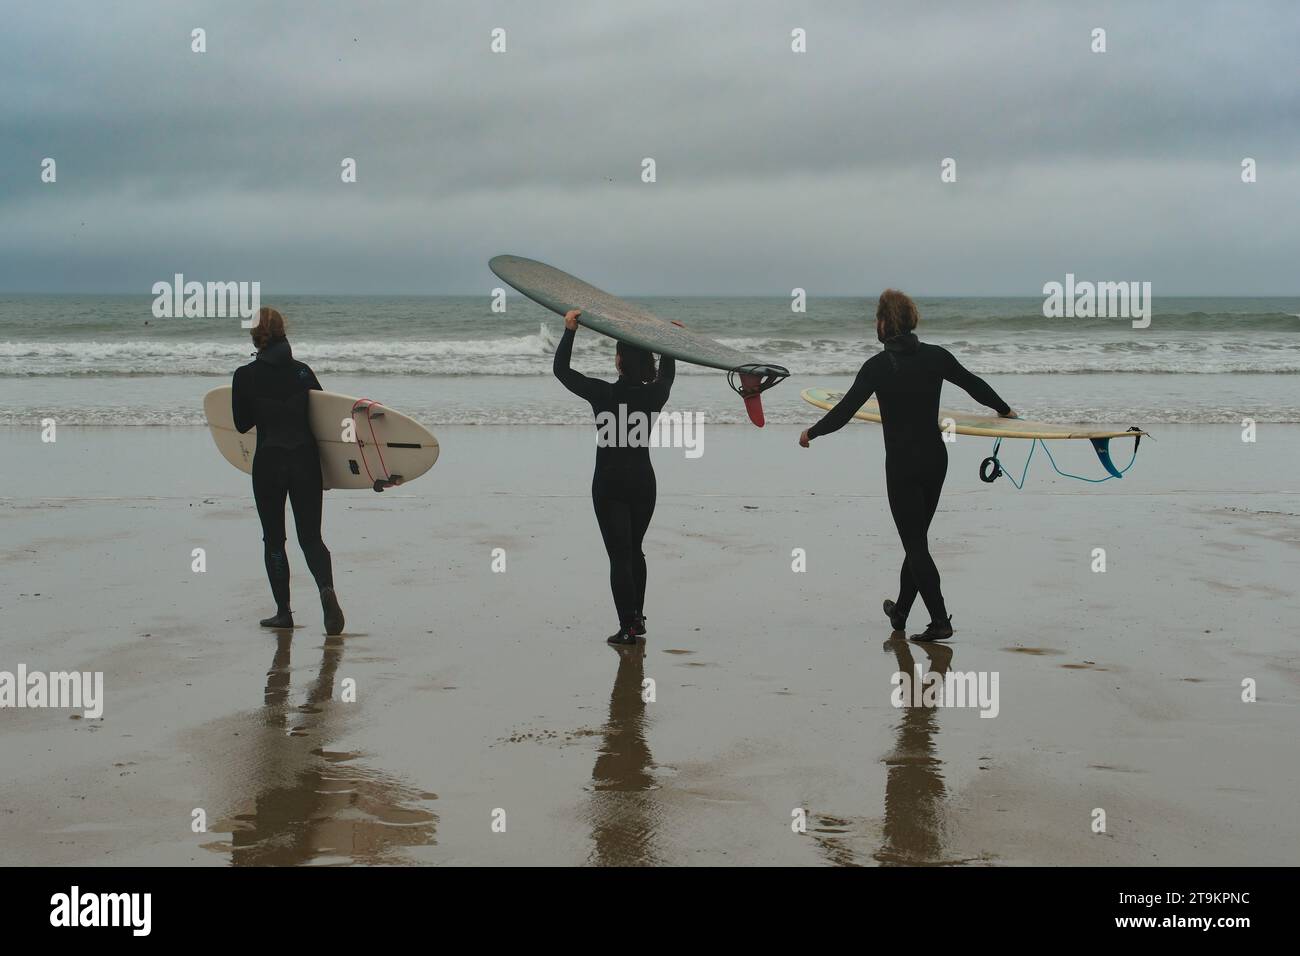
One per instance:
(994, 426)
(968, 423)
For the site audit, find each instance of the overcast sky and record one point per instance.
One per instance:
(775, 169)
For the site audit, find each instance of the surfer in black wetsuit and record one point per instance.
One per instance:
(906, 378)
(270, 393)
(623, 487)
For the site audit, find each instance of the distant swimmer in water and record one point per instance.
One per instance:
(270, 393)
(906, 378)
(623, 488)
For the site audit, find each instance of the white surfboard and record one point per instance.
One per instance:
(382, 447)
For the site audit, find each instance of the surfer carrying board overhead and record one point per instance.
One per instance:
(623, 487)
(270, 394)
(906, 378)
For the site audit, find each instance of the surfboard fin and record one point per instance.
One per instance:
(753, 399)
(753, 381)
(1102, 447)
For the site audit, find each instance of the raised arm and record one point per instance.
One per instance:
(243, 404)
(854, 399)
(664, 383)
(973, 385)
(576, 382)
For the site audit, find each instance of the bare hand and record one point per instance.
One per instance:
(571, 319)
(803, 439)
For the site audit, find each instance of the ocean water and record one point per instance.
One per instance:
(105, 360)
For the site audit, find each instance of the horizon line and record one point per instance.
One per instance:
(511, 294)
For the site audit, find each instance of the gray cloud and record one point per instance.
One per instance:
(775, 170)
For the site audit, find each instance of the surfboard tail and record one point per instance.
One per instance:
(751, 381)
(380, 478)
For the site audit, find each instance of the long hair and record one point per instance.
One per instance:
(268, 329)
(637, 364)
(896, 314)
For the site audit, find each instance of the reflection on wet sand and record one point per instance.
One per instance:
(623, 811)
(914, 791)
(317, 806)
(912, 830)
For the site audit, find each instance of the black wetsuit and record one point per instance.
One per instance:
(623, 486)
(907, 378)
(271, 393)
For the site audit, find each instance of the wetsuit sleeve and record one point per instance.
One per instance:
(576, 382)
(664, 383)
(242, 401)
(854, 399)
(973, 385)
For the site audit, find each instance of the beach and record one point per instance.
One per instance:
(475, 716)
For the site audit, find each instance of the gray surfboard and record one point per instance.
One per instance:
(619, 319)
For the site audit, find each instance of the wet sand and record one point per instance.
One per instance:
(479, 692)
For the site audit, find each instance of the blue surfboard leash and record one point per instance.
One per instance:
(1100, 445)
